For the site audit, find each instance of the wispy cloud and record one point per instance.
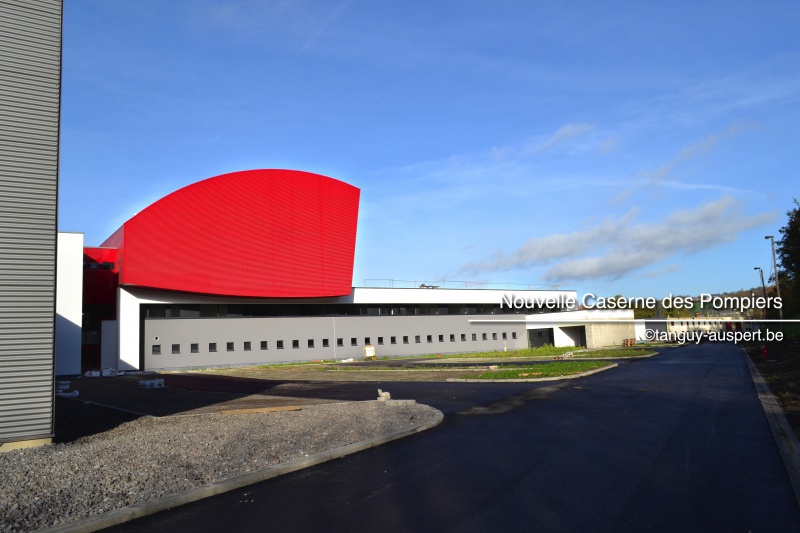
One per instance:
(625, 246)
(341, 8)
(565, 134)
(690, 152)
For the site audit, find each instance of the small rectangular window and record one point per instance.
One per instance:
(325, 343)
(195, 348)
(339, 341)
(212, 346)
(366, 341)
(393, 340)
(295, 343)
(248, 346)
(452, 337)
(280, 345)
(483, 336)
(463, 337)
(513, 334)
(494, 336)
(156, 349)
(263, 345)
(416, 338)
(474, 336)
(380, 341)
(176, 349)
(310, 343)
(230, 346)
(405, 339)
(505, 336)
(353, 341)
(441, 338)
(429, 338)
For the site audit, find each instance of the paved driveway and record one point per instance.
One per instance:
(677, 442)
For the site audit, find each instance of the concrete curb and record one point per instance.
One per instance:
(556, 378)
(786, 440)
(126, 514)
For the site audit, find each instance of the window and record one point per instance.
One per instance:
(247, 346)
(310, 343)
(212, 346)
(463, 337)
(380, 341)
(416, 338)
(405, 339)
(513, 334)
(339, 341)
(280, 345)
(429, 338)
(504, 336)
(474, 336)
(295, 343)
(353, 341)
(176, 349)
(325, 343)
(441, 338)
(194, 348)
(263, 345)
(230, 346)
(156, 349)
(494, 336)
(366, 341)
(483, 336)
(452, 337)
(393, 340)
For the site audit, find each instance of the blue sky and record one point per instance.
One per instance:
(633, 148)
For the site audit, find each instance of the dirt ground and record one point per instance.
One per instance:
(781, 370)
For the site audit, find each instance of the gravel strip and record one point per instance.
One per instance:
(152, 457)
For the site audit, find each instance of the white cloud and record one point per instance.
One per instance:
(690, 152)
(341, 8)
(624, 246)
(564, 134)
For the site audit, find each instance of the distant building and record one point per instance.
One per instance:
(256, 267)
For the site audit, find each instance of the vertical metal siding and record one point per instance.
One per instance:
(30, 86)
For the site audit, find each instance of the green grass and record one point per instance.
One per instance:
(615, 352)
(545, 370)
(542, 351)
(547, 350)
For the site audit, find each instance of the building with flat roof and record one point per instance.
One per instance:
(256, 266)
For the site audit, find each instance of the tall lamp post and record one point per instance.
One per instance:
(775, 266)
(763, 287)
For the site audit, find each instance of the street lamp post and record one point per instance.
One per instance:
(775, 266)
(763, 286)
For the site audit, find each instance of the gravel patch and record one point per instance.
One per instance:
(152, 457)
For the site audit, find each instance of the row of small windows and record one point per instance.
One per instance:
(696, 322)
(247, 346)
(289, 310)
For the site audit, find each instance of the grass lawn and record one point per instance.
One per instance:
(546, 370)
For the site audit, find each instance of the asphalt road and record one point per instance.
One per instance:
(677, 442)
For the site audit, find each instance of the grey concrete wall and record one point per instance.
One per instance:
(612, 334)
(380, 330)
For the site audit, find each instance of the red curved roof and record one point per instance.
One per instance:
(256, 233)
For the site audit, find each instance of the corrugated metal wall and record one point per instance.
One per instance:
(30, 85)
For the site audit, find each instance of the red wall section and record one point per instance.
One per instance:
(100, 282)
(257, 233)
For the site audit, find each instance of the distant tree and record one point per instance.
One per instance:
(788, 251)
(788, 246)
